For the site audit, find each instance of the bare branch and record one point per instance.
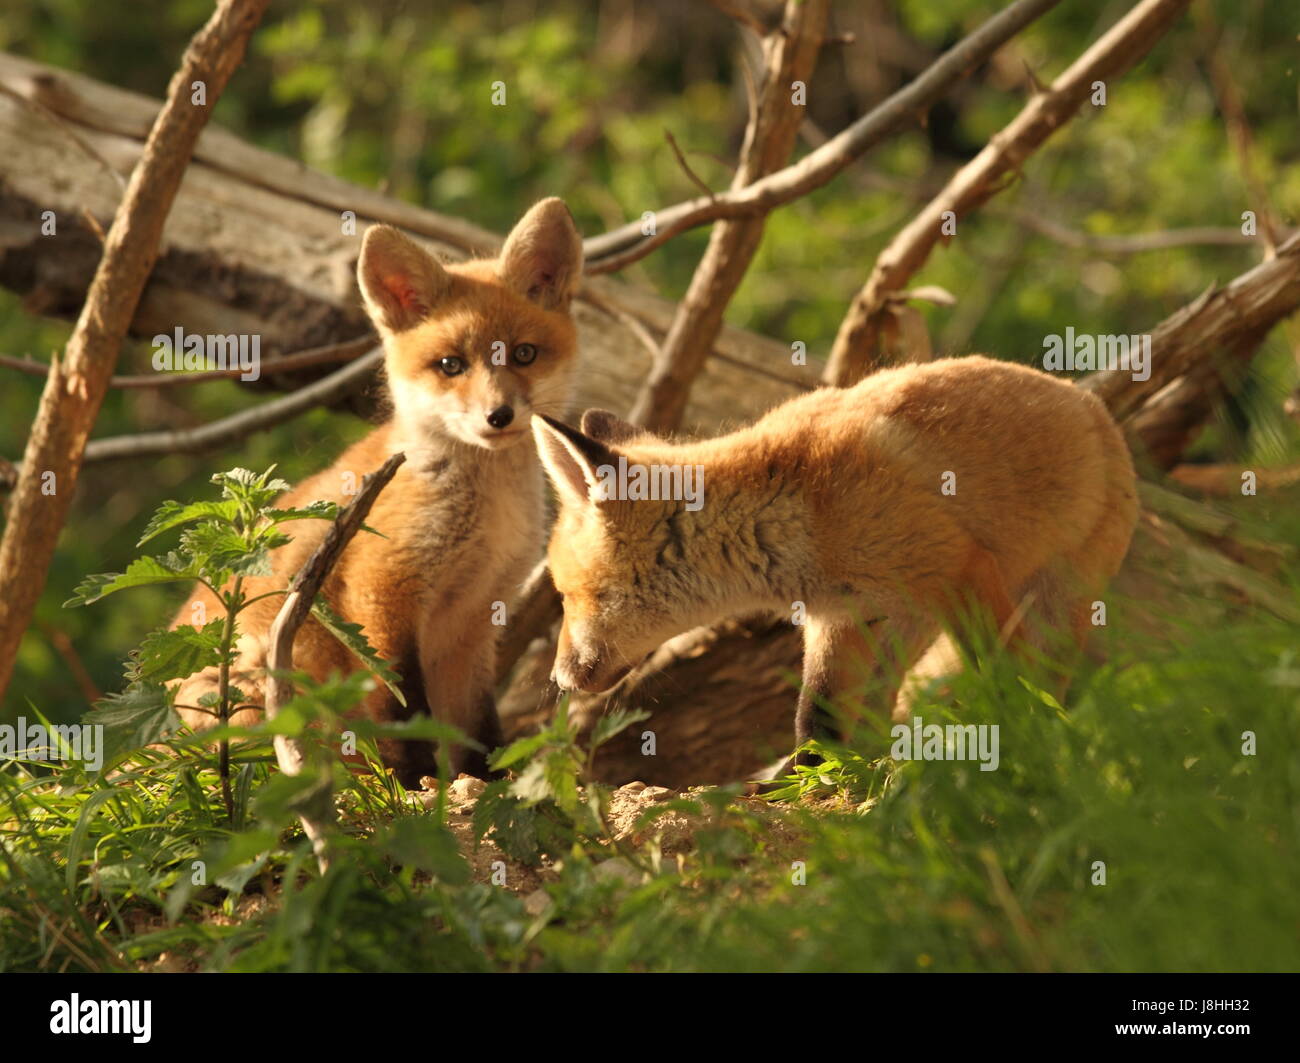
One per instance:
(789, 57)
(856, 348)
(622, 246)
(1220, 319)
(768, 142)
(278, 689)
(312, 356)
(330, 389)
(1130, 243)
(77, 383)
(1226, 480)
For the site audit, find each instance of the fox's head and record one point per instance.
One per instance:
(472, 350)
(618, 563)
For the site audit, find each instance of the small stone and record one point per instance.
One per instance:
(537, 902)
(635, 787)
(657, 793)
(467, 788)
(617, 869)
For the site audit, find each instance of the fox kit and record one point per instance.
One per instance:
(472, 351)
(880, 514)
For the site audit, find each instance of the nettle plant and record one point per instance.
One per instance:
(223, 543)
(550, 807)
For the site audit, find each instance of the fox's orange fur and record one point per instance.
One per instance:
(834, 500)
(461, 518)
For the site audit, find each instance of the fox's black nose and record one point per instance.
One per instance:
(501, 416)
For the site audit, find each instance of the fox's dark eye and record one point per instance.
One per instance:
(452, 366)
(525, 354)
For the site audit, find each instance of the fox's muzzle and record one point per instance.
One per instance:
(591, 677)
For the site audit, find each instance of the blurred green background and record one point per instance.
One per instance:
(396, 95)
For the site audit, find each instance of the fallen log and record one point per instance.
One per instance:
(259, 244)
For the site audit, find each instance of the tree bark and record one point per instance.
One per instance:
(77, 382)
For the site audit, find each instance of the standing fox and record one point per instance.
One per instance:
(472, 351)
(917, 500)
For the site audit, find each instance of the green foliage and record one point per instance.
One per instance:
(923, 865)
(877, 866)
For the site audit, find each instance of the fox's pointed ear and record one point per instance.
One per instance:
(609, 428)
(400, 282)
(542, 256)
(572, 460)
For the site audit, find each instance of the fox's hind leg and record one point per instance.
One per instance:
(1065, 593)
(982, 606)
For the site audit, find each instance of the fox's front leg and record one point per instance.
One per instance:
(459, 671)
(852, 669)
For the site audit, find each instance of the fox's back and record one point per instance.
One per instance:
(1023, 462)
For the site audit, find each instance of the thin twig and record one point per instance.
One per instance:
(686, 166)
(310, 356)
(330, 389)
(789, 57)
(620, 247)
(630, 321)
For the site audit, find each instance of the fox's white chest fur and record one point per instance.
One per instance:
(477, 536)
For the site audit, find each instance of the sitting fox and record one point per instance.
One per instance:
(922, 498)
(472, 351)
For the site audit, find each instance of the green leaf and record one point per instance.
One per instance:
(613, 723)
(141, 572)
(78, 840)
(133, 719)
(215, 547)
(1043, 696)
(562, 779)
(425, 844)
(512, 824)
(175, 654)
(318, 510)
(171, 514)
(520, 749)
(351, 635)
(256, 562)
(257, 490)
